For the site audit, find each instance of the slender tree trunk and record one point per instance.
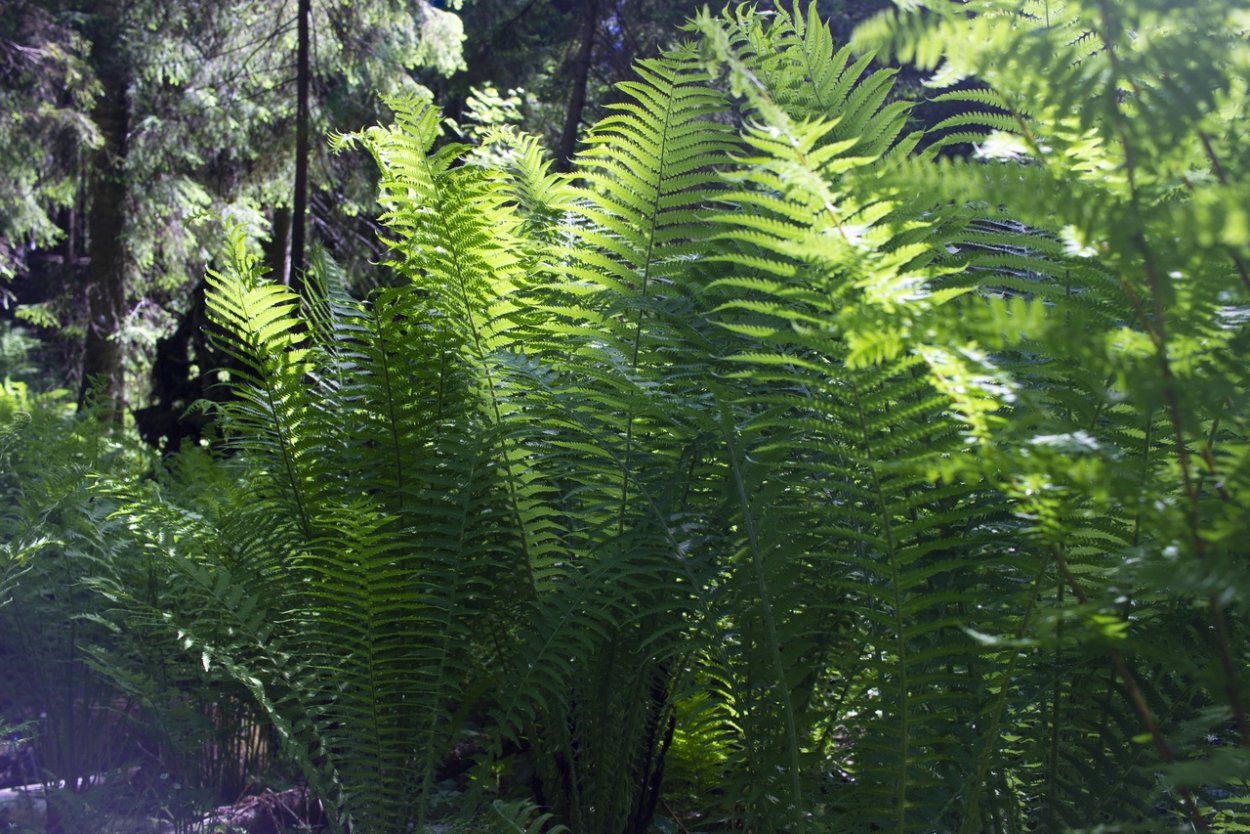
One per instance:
(581, 76)
(280, 245)
(103, 381)
(299, 219)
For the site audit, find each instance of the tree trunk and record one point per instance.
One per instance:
(581, 76)
(280, 246)
(103, 380)
(299, 219)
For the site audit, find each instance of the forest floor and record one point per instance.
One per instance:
(24, 809)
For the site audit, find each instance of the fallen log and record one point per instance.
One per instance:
(268, 813)
(22, 807)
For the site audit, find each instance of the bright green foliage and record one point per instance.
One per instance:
(1111, 405)
(351, 616)
(871, 489)
(831, 406)
(608, 358)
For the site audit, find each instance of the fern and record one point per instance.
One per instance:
(765, 430)
(823, 292)
(360, 653)
(612, 340)
(1107, 159)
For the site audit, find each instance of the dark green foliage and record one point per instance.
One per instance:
(106, 705)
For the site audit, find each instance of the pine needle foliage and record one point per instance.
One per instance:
(871, 487)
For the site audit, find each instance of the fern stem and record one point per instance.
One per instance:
(891, 554)
(451, 607)
(392, 417)
(1207, 453)
(1135, 696)
(1052, 765)
(1145, 455)
(1171, 397)
(770, 622)
(1218, 170)
(993, 734)
(289, 464)
(653, 215)
(377, 748)
(462, 286)
(284, 439)
(1193, 511)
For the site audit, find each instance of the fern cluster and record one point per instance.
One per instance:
(777, 456)
(97, 693)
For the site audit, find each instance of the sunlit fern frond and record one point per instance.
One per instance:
(414, 525)
(828, 289)
(1106, 144)
(609, 383)
(261, 331)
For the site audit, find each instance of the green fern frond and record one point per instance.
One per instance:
(263, 334)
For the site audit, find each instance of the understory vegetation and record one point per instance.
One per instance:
(780, 468)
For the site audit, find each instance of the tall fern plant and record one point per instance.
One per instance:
(861, 565)
(354, 575)
(1110, 135)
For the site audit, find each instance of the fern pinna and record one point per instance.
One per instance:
(755, 460)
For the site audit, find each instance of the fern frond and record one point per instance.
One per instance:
(262, 333)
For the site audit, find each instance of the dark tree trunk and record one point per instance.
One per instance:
(183, 373)
(581, 77)
(103, 381)
(299, 219)
(280, 246)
